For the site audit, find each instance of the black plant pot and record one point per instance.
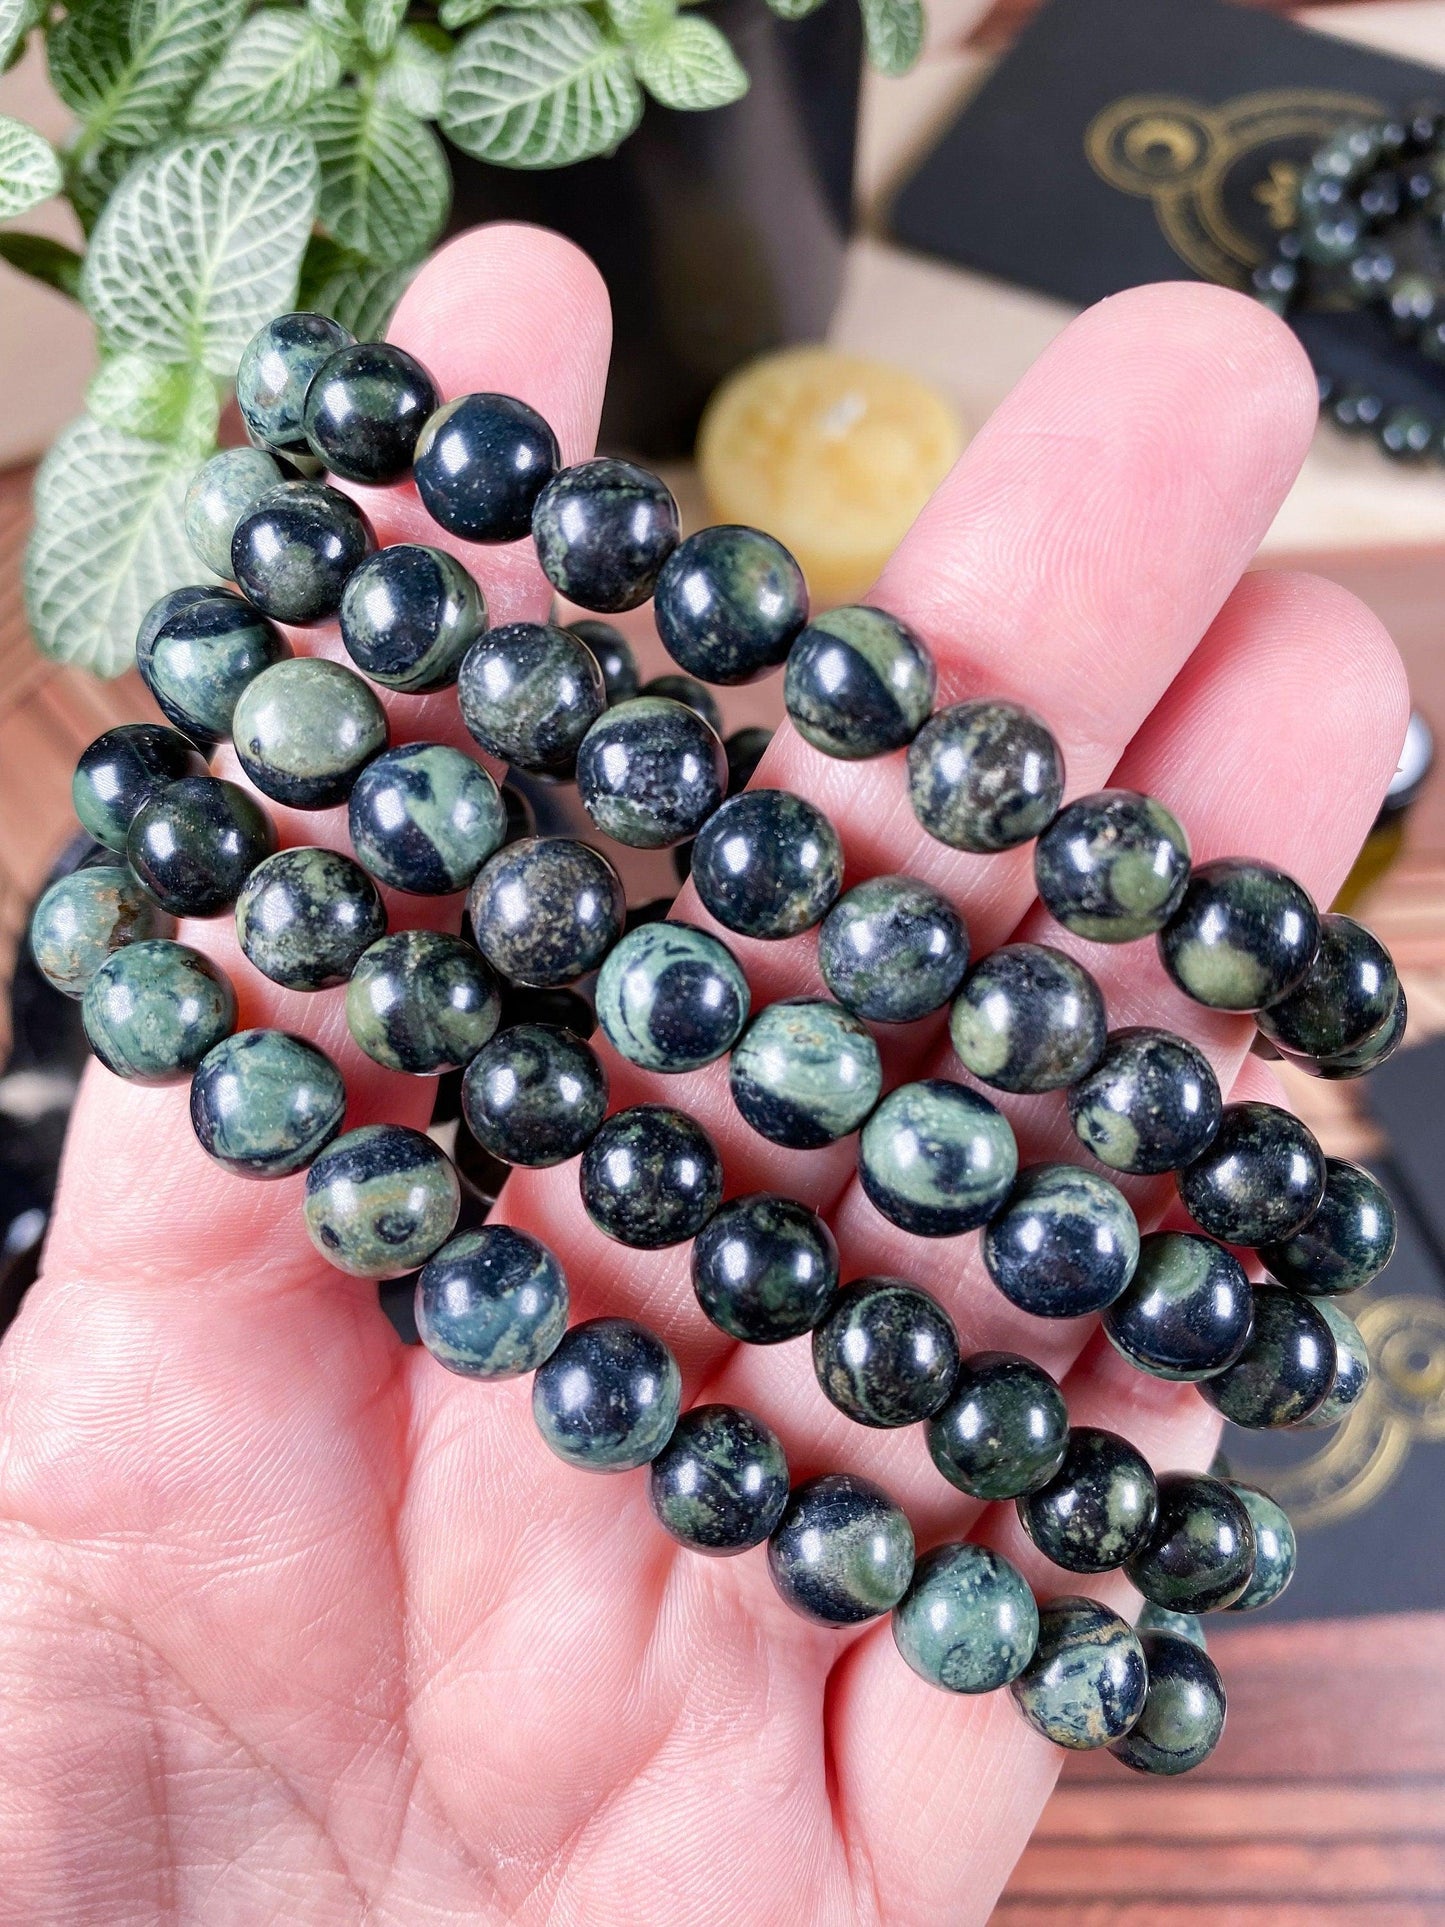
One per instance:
(719, 234)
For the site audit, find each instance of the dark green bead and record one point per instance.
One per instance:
(535, 1095)
(1098, 1509)
(1183, 1714)
(1348, 1241)
(276, 370)
(650, 772)
(1112, 866)
(728, 604)
(296, 549)
(1150, 1104)
(1004, 1429)
(688, 691)
(764, 1268)
(1285, 1371)
(1348, 994)
(304, 731)
(885, 1352)
(603, 531)
(306, 915)
(1274, 1548)
(1200, 1553)
(671, 998)
(614, 657)
(805, 1073)
(1159, 1619)
(842, 1551)
(607, 1399)
(968, 1622)
(651, 1176)
(720, 1483)
(1244, 935)
(529, 693)
(859, 683)
(194, 844)
(745, 749)
(1064, 1243)
(1028, 1019)
(424, 818)
(1352, 1366)
(198, 661)
(153, 1010)
(124, 768)
(1188, 1310)
(892, 950)
(480, 463)
(936, 1159)
(380, 1201)
(492, 1303)
(568, 1010)
(1261, 1179)
(422, 1002)
(985, 776)
(409, 615)
(364, 408)
(86, 917)
(768, 864)
(224, 490)
(1379, 1045)
(546, 910)
(166, 607)
(1085, 1685)
(264, 1103)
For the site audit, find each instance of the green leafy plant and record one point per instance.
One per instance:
(232, 160)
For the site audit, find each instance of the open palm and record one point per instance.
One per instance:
(294, 1625)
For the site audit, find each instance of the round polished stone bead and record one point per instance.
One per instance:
(480, 464)
(768, 864)
(614, 657)
(265, 1103)
(885, 1352)
(859, 683)
(305, 916)
(650, 772)
(197, 660)
(603, 531)
(304, 731)
(1150, 1104)
(805, 1073)
(1200, 1553)
(1064, 1243)
(422, 1002)
(124, 768)
(1183, 1714)
(1112, 866)
(546, 910)
(1347, 995)
(379, 1201)
(728, 604)
(892, 950)
(1352, 1366)
(276, 370)
(1366, 1057)
(985, 776)
(296, 549)
(86, 917)
(1098, 1509)
(608, 1398)
(153, 1010)
(492, 1303)
(937, 1159)
(529, 693)
(1188, 1310)
(1260, 1180)
(535, 1095)
(1274, 1548)
(194, 844)
(842, 1551)
(1028, 1019)
(744, 750)
(424, 818)
(651, 1176)
(165, 607)
(671, 998)
(225, 488)
(521, 817)
(968, 1622)
(1085, 1685)
(1285, 1371)
(1004, 1428)
(1244, 935)
(764, 1268)
(364, 408)
(409, 615)
(568, 1010)
(691, 693)
(720, 1483)
(1159, 1619)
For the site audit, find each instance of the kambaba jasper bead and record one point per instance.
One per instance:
(936, 1159)
(265, 1103)
(409, 614)
(768, 864)
(614, 658)
(1261, 1179)
(424, 818)
(1112, 866)
(603, 531)
(805, 1073)
(1003, 1430)
(546, 910)
(535, 1095)
(380, 1200)
(153, 1010)
(492, 1303)
(1064, 1243)
(1200, 1553)
(1099, 1507)
(1159, 1619)
(1150, 1104)
(1352, 1366)
(1086, 1683)
(197, 660)
(764, 1268)
(728, 603)
(1347, 995)
(687, 691)
(305, 916)
(608, 1398)
(1188, 1310)
(529, 693)
(296, 549)
(1182, 1718)
(1028, 1019)
(275, 371)
(858, 683)
(1286, 1370)
(124, 768)
(671, 998)
(194, 844)
(1244, 935)
(305, 729)
(720, 1483)
(650, 1177)
(86, 917)
(892, 950)
(364, 408)
(224, 489)
(885, 1352)
(479, 465)
(1274, 1549)
(985, 776)
(968, 1622)
(650, 772)
(842, 1551)
(421, 1002)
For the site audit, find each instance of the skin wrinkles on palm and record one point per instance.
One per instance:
(293, 1623)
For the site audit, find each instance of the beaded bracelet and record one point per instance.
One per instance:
(935, 1156)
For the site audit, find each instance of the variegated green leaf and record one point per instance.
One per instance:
(380, 21)
(128, 69)
(29, 168)
(92, 174)
(156, 401)
(893, 31)
(340, 19)
(277, 64)
(462, 13)
(385, 184)
(636, 19)
(540, 89)
(357, 293)
(43, 260)
(690, 65)
(17, 17)
(416, 73)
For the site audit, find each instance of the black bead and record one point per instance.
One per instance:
(1347, 996)
(365, 408)
(650, 772)
(651, 1177)
(1348, 1241)
(764, 1268)
(768, 864)
(886, 1353)
(1200, 1554)
(480, 464)
(194, 844)
(409, 616)
(529, 693)
(305, 916)
(892, 950)
(297, 549)
(842, 1551)
(1150, 1104)
(1064, 1244)
(1261, 1179)
(728, 604)
(1028, 1019)
(614, 657)
(1286, 1370)
(1187, 1311)
(1099, 1507)
(125, 768)
(546, 910)
(607, 1399)
(1244, 935)
(1183, 1713)
(687, 690)
(603, 531)
(720, 1483)
(534, 1095)
(1003, 1430)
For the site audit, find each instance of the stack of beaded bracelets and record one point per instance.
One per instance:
(935, 1156)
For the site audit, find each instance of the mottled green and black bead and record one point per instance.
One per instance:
(1028, 1019)
(885, 1352)
(650, 772)
(650, 1177)
(1064, 1243)
(1004, 1429)
(745, 749)
(1112, 866)
(275, 371)
(968, 1622)
(1260, 1180)
(1347, 995)
(306, 915)
(728, 604)
(1379, 1045)
(529, 693)
(379, 1201)
(492, 1303)
(265, 1103)
(305, 729)
(936, 1158)
(720, 1483)
(409, 615)
(842, 1551)
(1244, 935)
(1352, 1366)
(296, 549)
(424, 818)
(608, 1398)
(364, 408)
(671, 998)
(1274, 1548)
(1183, 1713)
(422, 1002)
(124, 768)
(768, 864)
(1285, 1371)
(480, 463)
(688, 691)
(764, 1268)
(603, 531)
(859, 683)
(1085, 1685)
(546, 910)
(1150, 1104)
(614, 657)
(892, 950)
(153, 1010)
(86, 917)
(197, 660)
(985, 776)
(194, 844)
(1200, 1553)
(535, 1095)
(1159, 1619)
(805, 1073)
(1098, 1509)
(224, 490)
(1188, 1310)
